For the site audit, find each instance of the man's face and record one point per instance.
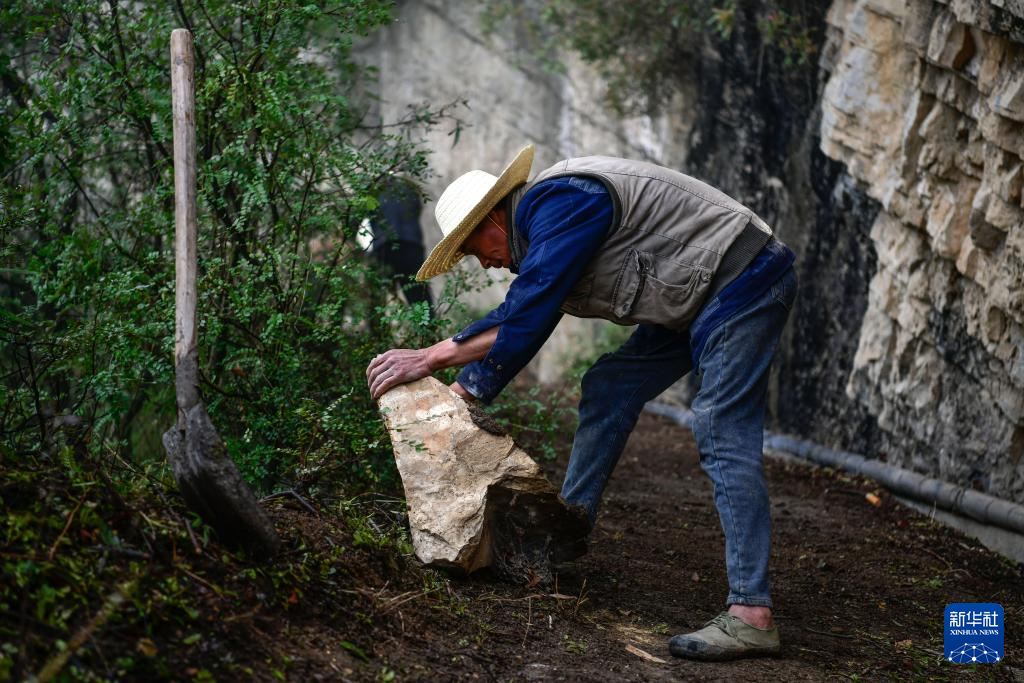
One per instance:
(489, 242)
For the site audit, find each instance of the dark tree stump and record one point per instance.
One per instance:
(214, 488)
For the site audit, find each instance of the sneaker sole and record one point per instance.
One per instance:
(723, 655)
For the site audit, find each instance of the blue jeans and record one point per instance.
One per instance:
(729, 424)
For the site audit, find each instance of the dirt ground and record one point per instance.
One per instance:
(860, 590)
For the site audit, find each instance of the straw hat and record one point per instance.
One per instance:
(464, 204)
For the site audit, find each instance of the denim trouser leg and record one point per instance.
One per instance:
(614, 391)
(729, 429)
(728, 426)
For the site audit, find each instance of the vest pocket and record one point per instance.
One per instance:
(659, 291)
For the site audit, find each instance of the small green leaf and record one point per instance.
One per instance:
(355, 649)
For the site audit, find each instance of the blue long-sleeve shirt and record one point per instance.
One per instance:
(564, 220)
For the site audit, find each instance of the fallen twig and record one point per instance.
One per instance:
(293, 493)
(67, 525)
(531, 596)
(244, 615)
(559, 596)
(129, 552)
(829, 634)
(155, 523)
(181, 520)
(110, 605)
(416, 594)
(198, 579)
(633, 650)
(529, 619)
(949, 565)
(871, 498)
(191, 534)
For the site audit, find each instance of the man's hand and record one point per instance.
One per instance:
(399, 366)
(395, 367)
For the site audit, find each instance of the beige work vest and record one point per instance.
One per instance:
(665, 244)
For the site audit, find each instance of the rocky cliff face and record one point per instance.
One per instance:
(925, 107)
(892, 167)
(754, 128)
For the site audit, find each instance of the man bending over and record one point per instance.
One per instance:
(709, 289)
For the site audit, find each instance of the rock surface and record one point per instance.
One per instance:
(475, 498)
(924, 106)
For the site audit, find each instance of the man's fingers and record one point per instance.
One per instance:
(377, 385)
(461, 391)
(379, 363)
(374, 373)
(394, 367)
(387, 383)
(377, 360)
(385, 377)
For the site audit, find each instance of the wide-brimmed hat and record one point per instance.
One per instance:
(464, 204)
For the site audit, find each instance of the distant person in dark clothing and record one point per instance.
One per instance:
(398, 239)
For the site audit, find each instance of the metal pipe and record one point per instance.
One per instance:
(979, 506)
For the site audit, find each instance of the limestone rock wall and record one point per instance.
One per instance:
(925, 107)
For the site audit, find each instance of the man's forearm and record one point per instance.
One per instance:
(399, 366)
(448, 354)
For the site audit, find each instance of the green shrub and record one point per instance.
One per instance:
(289, 163)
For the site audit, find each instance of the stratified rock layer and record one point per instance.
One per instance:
(925, 105)
(475, 498)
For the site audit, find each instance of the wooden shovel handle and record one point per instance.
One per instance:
(184, 113)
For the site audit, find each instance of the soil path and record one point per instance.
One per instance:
(860, 590)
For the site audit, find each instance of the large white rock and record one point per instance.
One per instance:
(475, 498)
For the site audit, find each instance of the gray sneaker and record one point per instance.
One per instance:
(725, 637)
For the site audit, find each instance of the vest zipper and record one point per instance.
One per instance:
(641, 269)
